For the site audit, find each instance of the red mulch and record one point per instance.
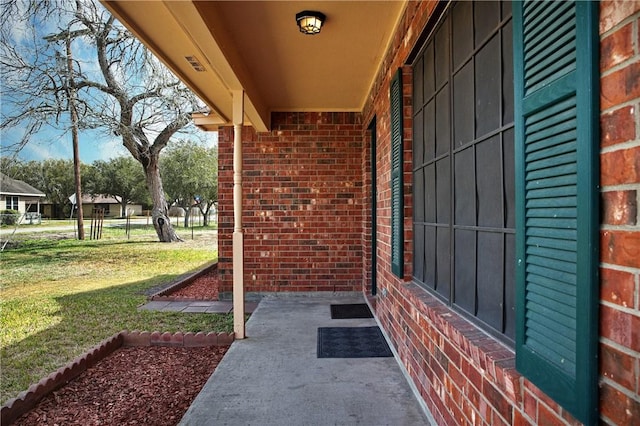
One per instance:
(202, 288)
(135, 386)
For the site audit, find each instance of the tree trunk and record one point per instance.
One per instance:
(187, 215)
(123, 207)
(205, 215)
(159, 212)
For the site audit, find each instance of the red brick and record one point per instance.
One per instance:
(618, 126)
(620, 408)
(621, 166)
(519, 419)
(497, 400)
(613, 12)
(569, 419)
(620, 327)
(548, 417)
(617, 287)
(620, 248)
(618, 366)
(617, 47)
(619, 207)
(620, 86)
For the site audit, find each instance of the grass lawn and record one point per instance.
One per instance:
(58, 298)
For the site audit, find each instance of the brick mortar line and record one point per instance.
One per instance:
(620, 308)
(632, 103)
(558, 412)
(619, 66)
(627, 392)
(620, 187)
(618, 347)
(620, 146)
(619, 228)
(615, 267)
(619, 25)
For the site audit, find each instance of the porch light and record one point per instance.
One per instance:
(309, 21)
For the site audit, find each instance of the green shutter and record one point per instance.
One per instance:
(397, 193)
(557, 94)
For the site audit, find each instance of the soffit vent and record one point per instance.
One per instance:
(195, 63)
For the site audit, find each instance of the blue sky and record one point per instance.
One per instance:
(93, 145)
(54, 141)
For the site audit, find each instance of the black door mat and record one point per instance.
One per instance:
(352, 342)
(348, 311)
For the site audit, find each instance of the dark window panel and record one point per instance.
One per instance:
(429, 193)
(418, 262)
(443, 265)
(443, 123)
(443, 191)
(486, 19)
(465, 188)
(489, 183)
(510, 286)
(463, 105)
(509, 179)
(442, 53)
(506, 9)
(418, 143)
(418, 89)
(429, 129)
(462, 23)
(430, 256)
(418, 188)
(429, 72)
(465, 270)
(491, 267)
(488, 87)
(507, 74)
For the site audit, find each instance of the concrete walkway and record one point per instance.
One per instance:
(199, 306)
(273, 377)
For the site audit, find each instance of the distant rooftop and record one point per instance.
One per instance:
(10, 186)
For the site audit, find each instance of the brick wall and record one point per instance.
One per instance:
(620, 232)
(465, 376)
(303, 204)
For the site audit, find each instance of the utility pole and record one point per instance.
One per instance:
(71, 97)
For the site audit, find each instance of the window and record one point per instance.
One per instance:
(557, 107)
(12, 203)
(463, 164)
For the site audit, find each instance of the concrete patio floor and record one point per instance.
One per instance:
(273, 377)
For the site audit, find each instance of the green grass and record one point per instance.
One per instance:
(60, 298)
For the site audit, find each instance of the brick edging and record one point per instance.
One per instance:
(164, 294)
(27, 400)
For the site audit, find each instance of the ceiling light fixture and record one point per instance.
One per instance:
(310, 22)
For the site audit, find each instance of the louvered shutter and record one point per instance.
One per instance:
(397, 193)
(556, 94)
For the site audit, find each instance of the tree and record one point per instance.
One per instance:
(121, 178)
(55, 178)
(191, 175)
(123, 90)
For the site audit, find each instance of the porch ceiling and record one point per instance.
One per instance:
(255, 46)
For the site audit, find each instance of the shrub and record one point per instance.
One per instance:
(9, 217)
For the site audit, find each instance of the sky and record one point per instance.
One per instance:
(56, 143)
(92, 145)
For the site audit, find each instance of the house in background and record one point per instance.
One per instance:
(471, 167)
(111, 206)
(19, 196)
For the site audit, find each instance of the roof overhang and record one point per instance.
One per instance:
(217, 47)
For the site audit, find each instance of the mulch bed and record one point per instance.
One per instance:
(203, 288)
(134, 385)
